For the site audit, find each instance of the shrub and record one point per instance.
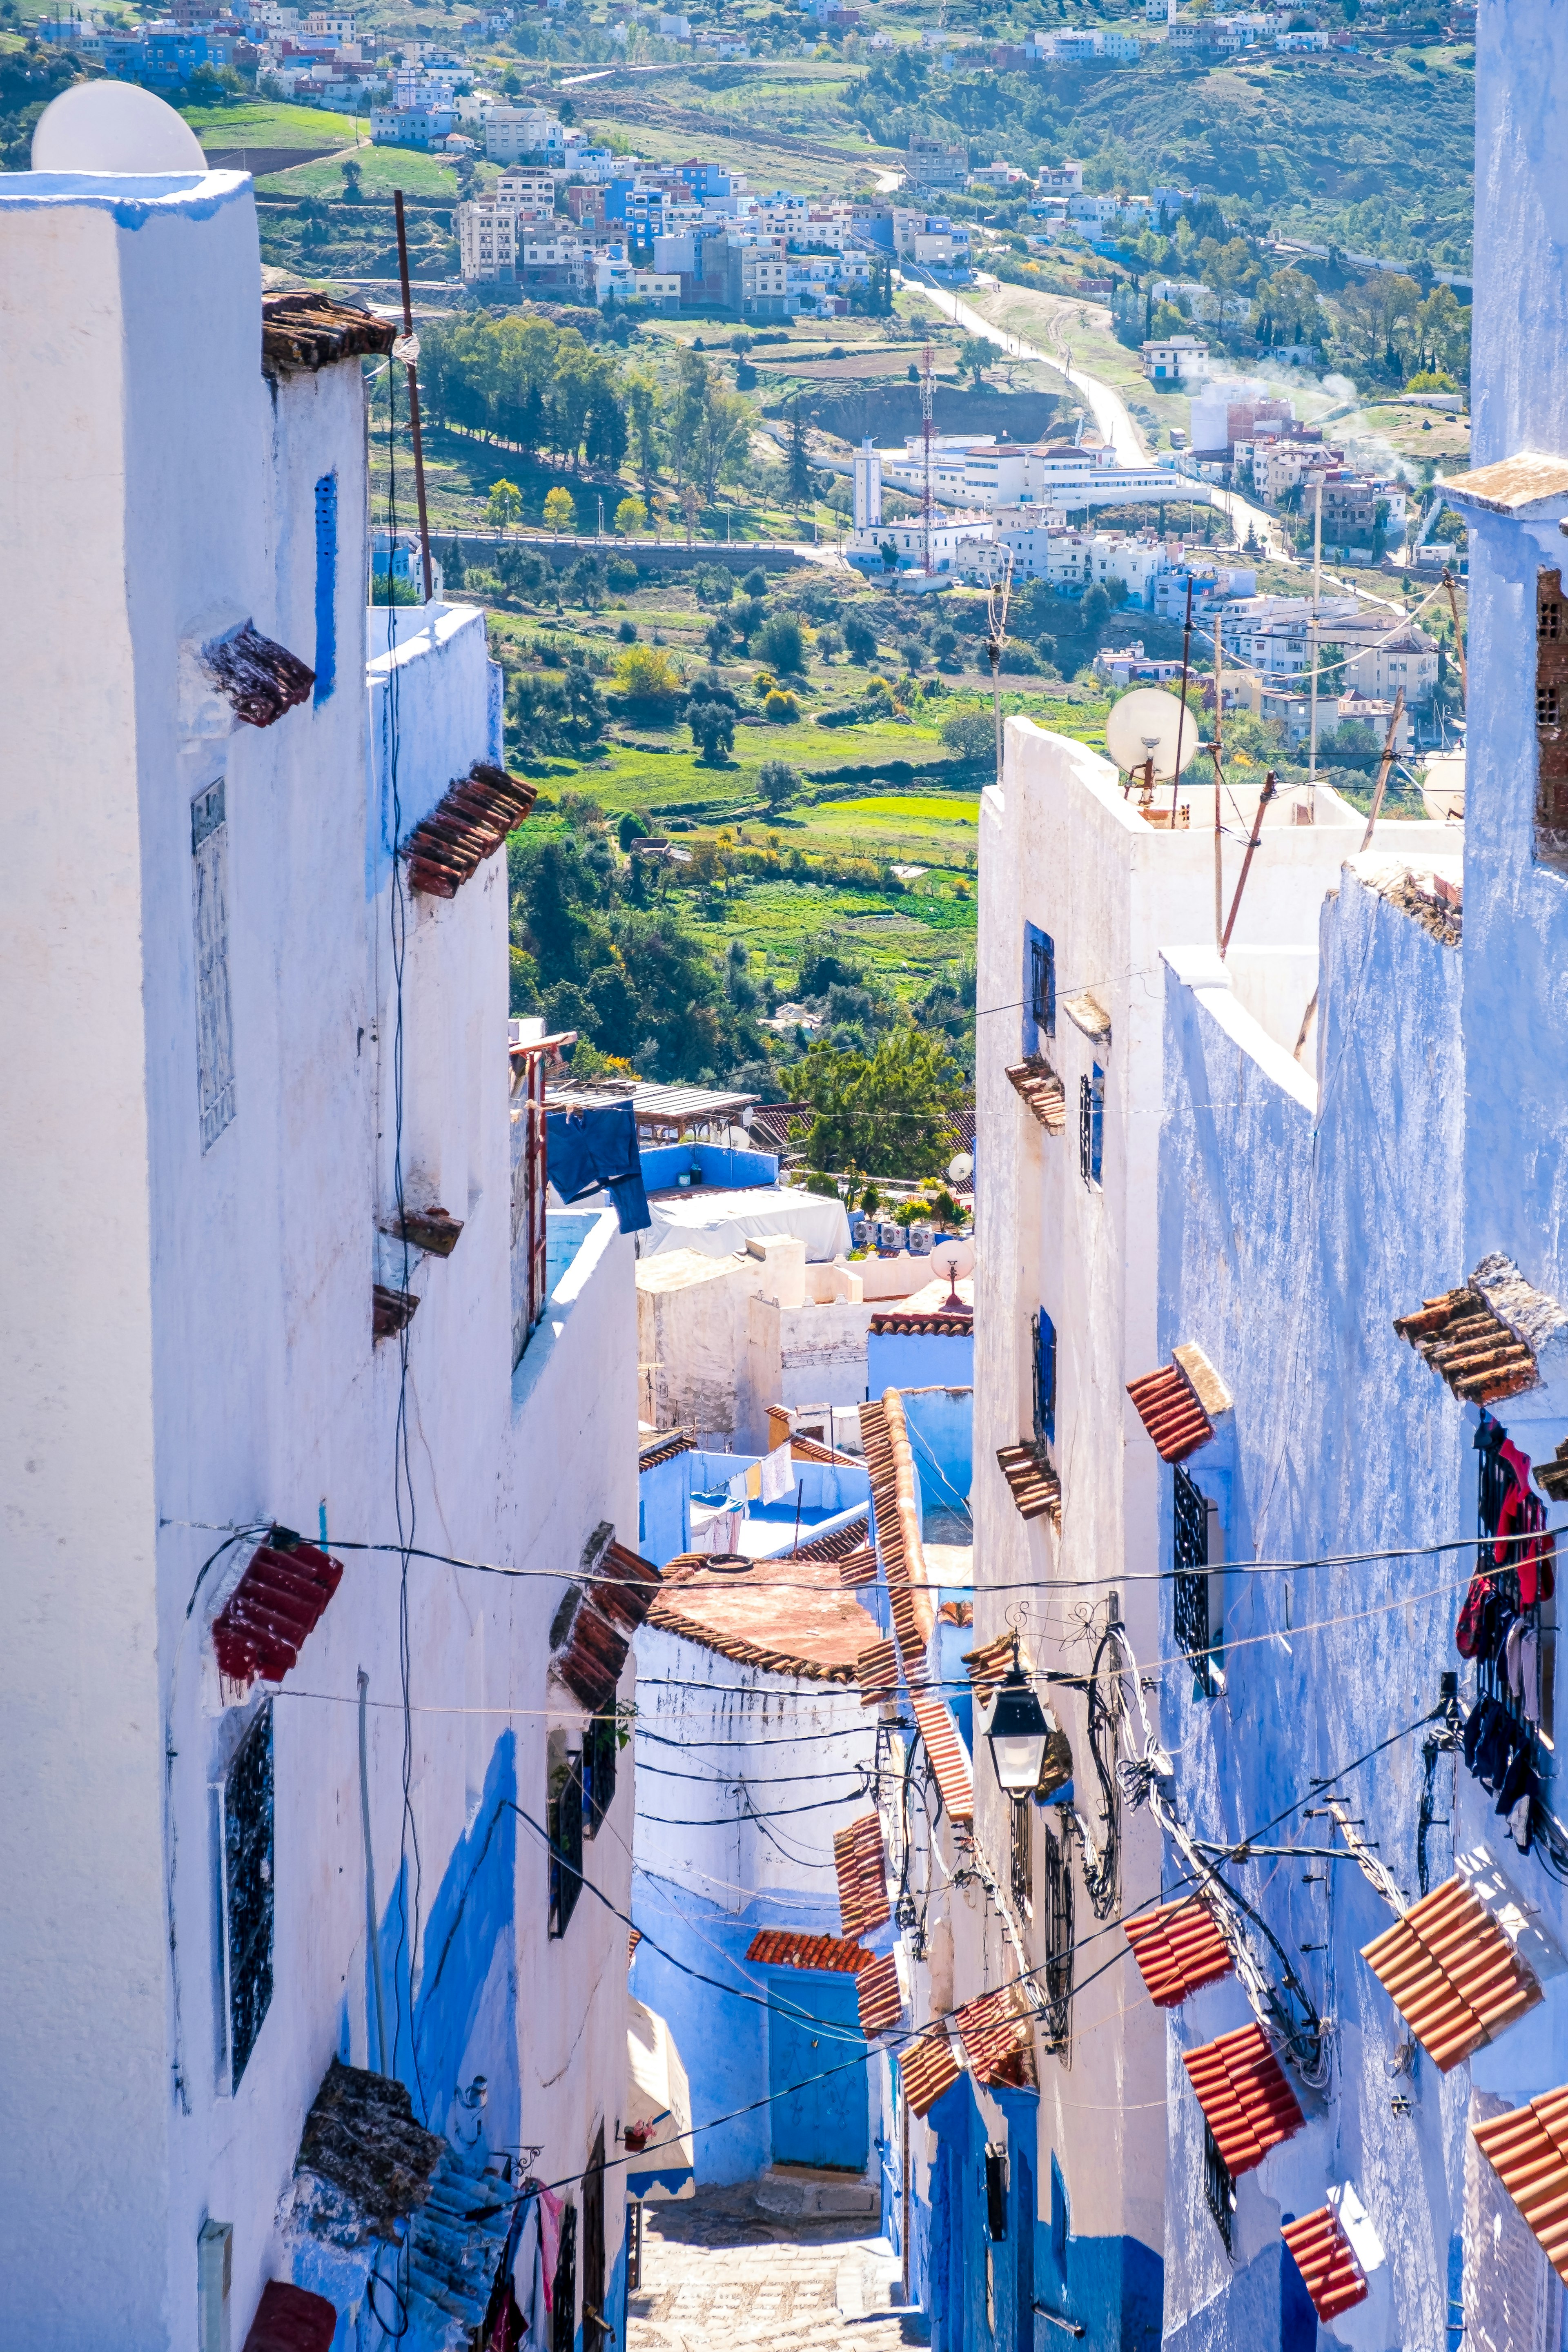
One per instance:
(779, 784)
(861, 638)
(714, 584)
(711, 712)
(971, 733)
(828, 643)
(755, 583)
(649, 680)
(627, 633)
(781, 643)
(621, 574)
(781, 709)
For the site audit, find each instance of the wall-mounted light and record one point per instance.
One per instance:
(1020, 1728)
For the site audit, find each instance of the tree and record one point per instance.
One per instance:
(971, 733)
(884, 1115)
(642, 402)
(860, 637)
(711, 712)
(649, 680)
(975, 354)
(778, 708)
(631, 516)
(780, 643)
(454, 565)
(797, 462)
(505, 506)
(353, 176)
(690, 508)
(778, 784)
(560, 511)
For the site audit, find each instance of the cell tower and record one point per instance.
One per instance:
(928, 501)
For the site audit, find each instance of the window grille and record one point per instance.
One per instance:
(1219, 2189)
(326, 587)
(1059, 1906)
(1191, 1602)
(1045, 1380)
(563, 2293)
(596, 2328)
(1039, 987)
(245, 1853)
(1091, 1126)
(1551, 708)
(997, 2195)
(1022, 1848)
(565, 1844)
(1546, 706)
(600, 1748)
(215, 1025)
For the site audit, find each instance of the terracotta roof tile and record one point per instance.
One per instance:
(1326, 2262)
(957, 1612)
(1470, 1346)
(664, 1447)
(843, 1543)
(310, 331)
(594, 1649)
(787, 1617)
(1528, 2150)
(390, 1310)
(1452, 1973)
(936, 1322)
(877, 1671)
(947, 1761)
(1247, 2101)
(1035, 1487)
(291, 2319)
(989, 1664)
(272, 1612)
(859, 1860)
(468, 825)
(895, 1503)
(858, 1567)
(1178, 1950)
(1038, 1086)
(1551, 1477)
(809, 1449)
(781, 1948)
(881, 1997)
(929, 2068)
(1169, 1410)
(998, 2037)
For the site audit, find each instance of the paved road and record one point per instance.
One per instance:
(719, 2276)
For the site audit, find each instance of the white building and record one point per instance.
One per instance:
(867, 486)
(956, 541)
(519, 134)
(215, 1769)
(1175, 360)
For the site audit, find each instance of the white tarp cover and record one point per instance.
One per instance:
(659, 2096)
(719, 1222)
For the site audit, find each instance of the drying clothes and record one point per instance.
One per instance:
(736, 1490)
(550, 2212)
(778, 1474)
(1468, 1632)
(1475, 1727)
(528, 2278)
(1520, 1821)
(720, 1535)
(1495, 1750)
(1522, 1663)
(587, 1150)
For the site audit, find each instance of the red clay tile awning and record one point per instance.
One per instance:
(1247, 2101)
(272, 1612)
(934, 1322)
(858, 1567)
(1169, 1410)
(862, 1876)
(881, 1997)
(928, 2068)
(615, 1604)
(947, 1761)
(1528, 2150)
(1326, 2262)
(1177, 1948)
(780, 1948)
(1034, 1485)
(1038, 1086)
(468, 825)
(877, 1671)
(1452, 1974)
(1468, 1344)
(998, 2037)
(291, 2319)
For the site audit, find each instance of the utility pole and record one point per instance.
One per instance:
(1217, 748)
(409, 354)
(927, 494)
(1317, 598)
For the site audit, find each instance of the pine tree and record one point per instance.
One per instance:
(799, 461)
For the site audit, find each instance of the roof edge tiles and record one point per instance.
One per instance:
(880, 1996)
(468, 823)
(1326, 2261)
(783, 1948)
(1528, 2150)
(310, 331)
(860, 1867)
(272, 1610)
(1035, 1487)
(895, 1501)
(1179, 1949)
(1171, 1407)
(1041, 1092)
(928, 2068)
(996, 2029)
(824, 1615)
(1484, 1337)
(945, 1750)
(1453, 1974)
(1246, 2099)
(663, 1446)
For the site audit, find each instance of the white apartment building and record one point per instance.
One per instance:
(487, 240)
(515, 134)
(615, 281)
(1071, 561)
(1175, 358)
(959, 544)
(526, 192)
(286, 1218)
(1060, 179)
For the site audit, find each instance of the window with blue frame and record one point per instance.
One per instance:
(1039, 988)
(1091, 1126)
(326, 586)
(1045, 1380)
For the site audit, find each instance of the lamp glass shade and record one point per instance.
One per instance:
(1019, 1731)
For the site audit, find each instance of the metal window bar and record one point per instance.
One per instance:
(1045, 1380)
(1219, 2189)
(1043, 983)
(1058, 1938)
(566, 1847)
(1084, 1130)
(1022, 1852)
(1190, 1593)
(600, 1748)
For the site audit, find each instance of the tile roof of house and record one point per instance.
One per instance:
(310, 330)
(663, 1446)
(1247, 2101)
(808, 1449)
(947, 1761)
(390, 1310)
(1551, 1477)
(1452, 1973)
(594, 1649)
(1035, 1487)
(989, 1663)
(291, 2319)
(857, 1567)
(468, 823)
(928, 2068)
(861, 1868)
(1528, 2150)
(1038, 1086)
(1178, 1949)
(260, 679)
(1469, 1346)
(1169, 1410)
(934, 1322)
(1326, 2262)
(956, 1612)
(895, 1498)
(877, 1671)
(997, 2033)
(842, 1544)
(273, 1610)
(880, 1996)
(785, 1616)
(776, 1126)
(781, 1948)
(364, 2165)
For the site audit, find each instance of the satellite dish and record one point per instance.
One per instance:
(1146, 725)
(959, 1170)
(114, 127)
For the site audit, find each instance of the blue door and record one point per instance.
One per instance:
(814, 2026)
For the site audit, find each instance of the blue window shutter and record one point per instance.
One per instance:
(1045, 1378)
(326, 586)
(1040, 991)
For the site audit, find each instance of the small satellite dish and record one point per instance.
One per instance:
(959, 1170)
(114, 127)
(1146, 725)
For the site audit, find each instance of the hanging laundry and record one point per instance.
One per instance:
(528, 2277)
(587, 1150)
(550, 2212)
(778, 1474)
(736, 1489)
(721, 1533)
(754, 1483)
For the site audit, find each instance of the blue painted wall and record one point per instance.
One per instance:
(664, 1518)
(711, 1164)
(915, 1359)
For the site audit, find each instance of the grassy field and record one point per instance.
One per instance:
(258, 123)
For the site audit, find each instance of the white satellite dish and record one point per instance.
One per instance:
(114, 127)
(960, 1168)
(1146, 725)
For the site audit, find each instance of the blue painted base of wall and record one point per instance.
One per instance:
(1266, 2306)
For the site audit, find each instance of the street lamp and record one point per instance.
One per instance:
(1019, 1731)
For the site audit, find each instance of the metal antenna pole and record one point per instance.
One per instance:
(1217, 747)
(1317, 598)
(1187, 659)
(410, 357)
(927, 495)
